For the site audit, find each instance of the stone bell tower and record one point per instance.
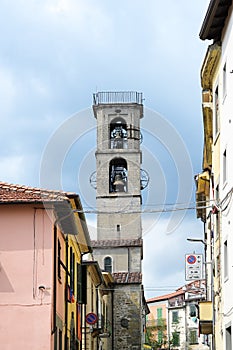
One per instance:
(119, 180)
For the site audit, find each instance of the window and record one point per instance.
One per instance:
(216, 111)
(60, 340)
(176, 339)
(118, 228)
(224, 82)
(225, 260)
(174, 316)
(228, 338)
(59, 259)
(72, 271)
(192, 310)
(108, 264)
(159, 316)
(224, 167)
(217, 219)
(193, 338)
(218, 264)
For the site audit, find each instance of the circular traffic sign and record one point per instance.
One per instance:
(191, 259)
(91, 318)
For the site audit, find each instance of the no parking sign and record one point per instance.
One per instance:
(91, 318)
(193, 267)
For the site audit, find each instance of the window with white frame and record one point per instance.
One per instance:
(224, 81)
(224, 167)
(216, 112)
(225, 247)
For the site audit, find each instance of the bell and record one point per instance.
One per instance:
(118, 135)
(119, 183)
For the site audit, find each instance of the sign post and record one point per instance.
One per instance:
(193, 267)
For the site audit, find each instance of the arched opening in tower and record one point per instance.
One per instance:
(118, 133)
(118, 175)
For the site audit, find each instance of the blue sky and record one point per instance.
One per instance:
(55, 54)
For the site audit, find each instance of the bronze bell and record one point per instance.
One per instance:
(119, 183)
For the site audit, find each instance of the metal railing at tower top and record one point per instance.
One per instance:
(117, 97)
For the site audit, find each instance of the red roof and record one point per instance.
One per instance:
(117, 243)
(10, 193)
(187, 287)
(127, 277)
(165, 297)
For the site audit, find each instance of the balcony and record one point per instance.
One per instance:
(120, 97)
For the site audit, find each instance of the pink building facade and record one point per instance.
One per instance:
(32, 314)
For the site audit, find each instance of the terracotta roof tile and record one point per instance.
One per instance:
(10, 193)
(165, 296)
(127, 277)
(117, 243)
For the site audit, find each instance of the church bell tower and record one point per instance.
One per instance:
(119, 180)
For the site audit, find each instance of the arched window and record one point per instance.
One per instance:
(118, 175)
(108, 264)
(118, 133)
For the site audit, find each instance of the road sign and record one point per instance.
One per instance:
(91, 318)
(191, 259)
(193, 267)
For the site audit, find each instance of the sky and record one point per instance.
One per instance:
(54, 55)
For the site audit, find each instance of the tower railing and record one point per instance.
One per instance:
(117, 97)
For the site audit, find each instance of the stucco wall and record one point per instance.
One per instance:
(26, 264)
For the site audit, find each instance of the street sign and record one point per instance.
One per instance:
(91, 318)
(193, 267)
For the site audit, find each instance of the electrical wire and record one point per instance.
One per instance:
(145, 211)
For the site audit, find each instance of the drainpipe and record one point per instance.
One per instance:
(54, 328)
(66, 290)
(112, 291)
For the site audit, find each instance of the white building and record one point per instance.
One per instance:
(173, 320)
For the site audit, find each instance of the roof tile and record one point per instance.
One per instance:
(127, 277)
(10, 193)
(117, 243)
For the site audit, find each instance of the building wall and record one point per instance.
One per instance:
(126, 322)
(153, 324)
(26, 264)
(123, 259)
(226, 145)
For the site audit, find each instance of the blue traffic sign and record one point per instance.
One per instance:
(191, 259)
(91, 318)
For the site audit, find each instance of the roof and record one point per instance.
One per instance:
(19, 194)
(127, 277)
(165, 297)
(117, 243)
(199, 284)
(10, 193)
(214, 21)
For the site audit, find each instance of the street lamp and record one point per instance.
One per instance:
(197, 240)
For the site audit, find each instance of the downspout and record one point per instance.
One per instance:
(112, 291)
(66, 289)
(54, 328)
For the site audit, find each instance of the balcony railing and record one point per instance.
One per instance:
(117, 97)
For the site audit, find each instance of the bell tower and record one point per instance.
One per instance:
(118, 182)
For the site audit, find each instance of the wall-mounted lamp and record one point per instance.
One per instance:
(197, 240)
